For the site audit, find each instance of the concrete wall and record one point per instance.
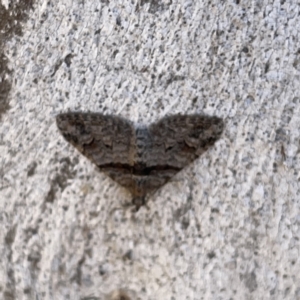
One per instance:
(226, 226)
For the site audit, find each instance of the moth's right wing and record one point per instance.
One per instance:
(179, 139)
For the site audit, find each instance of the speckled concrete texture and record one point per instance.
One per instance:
(227, 226)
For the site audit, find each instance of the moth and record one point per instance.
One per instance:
(140, 158)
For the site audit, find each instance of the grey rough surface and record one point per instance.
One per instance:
(227, 226)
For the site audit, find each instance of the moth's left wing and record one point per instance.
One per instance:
(179, 139)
